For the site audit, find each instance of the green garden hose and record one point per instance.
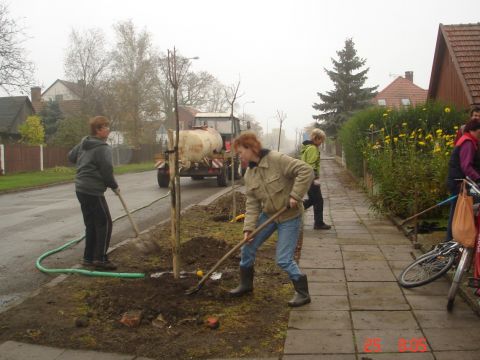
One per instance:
(88, 272)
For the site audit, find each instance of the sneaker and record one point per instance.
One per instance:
(104, 265)
(322, 227)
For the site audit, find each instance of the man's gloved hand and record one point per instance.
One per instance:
(116, 191)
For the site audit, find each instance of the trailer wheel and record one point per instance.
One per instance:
(163, 179)
(222, 180)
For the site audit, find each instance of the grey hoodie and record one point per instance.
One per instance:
(93, 158)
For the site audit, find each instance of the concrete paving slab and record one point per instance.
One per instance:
(325, 275)
(319, 342)
(322, 254)
(321, 303)
(92, 355)
(399, 252)
(388, 340)
(438, 287)
(394, 238)
(13, 350)
(353, 241)
(352, 232)
(361, 248)
(321, 264)
(441, 319)
(426, 302)
(369, 275)
(329, 288)
(347, 235)
(393, 320)
(388, 240)
(457, 355)
(320, 357)
(319, 320)
(376, 296)
(398, 356)
(380, 265)
(362, 256)
(453, 339)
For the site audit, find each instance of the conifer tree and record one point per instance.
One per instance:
(51, 116)
(348, 95)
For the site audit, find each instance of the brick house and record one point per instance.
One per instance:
(455, 77)
(68, 94)
(14, 110)
(401, 92)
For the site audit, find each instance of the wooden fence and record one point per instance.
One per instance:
(16, 158)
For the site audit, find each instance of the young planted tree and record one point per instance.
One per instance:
(348, 94)
(32, 131)
(16, 72)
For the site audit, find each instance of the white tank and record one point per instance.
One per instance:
(197, 144)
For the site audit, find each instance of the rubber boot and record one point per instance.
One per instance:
(301, 296)
(246, 282)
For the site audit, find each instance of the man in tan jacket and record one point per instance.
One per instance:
(273, 180)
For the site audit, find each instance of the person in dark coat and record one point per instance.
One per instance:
(93, 158)
(462, 164)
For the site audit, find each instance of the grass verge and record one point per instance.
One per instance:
(56, 175)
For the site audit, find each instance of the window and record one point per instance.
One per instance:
(405, 102)
(58, 97)
(382, 102)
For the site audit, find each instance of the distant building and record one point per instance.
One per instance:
(68, 94)
(401, 92)
(14, 110)
(455, 77)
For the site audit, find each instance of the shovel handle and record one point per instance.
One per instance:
(240, 244)
(134, 225)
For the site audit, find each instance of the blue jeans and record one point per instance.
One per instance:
(288, 232)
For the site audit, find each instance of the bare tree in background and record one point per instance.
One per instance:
(216, 98)
(16, 72)
(86, 61)
(281, 116)
(135, 81)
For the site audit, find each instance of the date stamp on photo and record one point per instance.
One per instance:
(413, 345)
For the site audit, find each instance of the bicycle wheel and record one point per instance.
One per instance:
(463, 266)
(426, 269)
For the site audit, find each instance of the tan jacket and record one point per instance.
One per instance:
(270, 185)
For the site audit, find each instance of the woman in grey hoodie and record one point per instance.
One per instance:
(93, 158)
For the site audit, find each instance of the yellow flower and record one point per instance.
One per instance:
(387, 141)
(402, 135)
(421, 143)
(447, 153)
(439, 132)
(429, 137)
(447, 110)
(420, 136)
(375, 147)
(455, 127)
(424, 109)
(404, 124)
(382, 130)
(413, 133)
(450, 144)
(387, 137)
(420, 130)
(437, 149)
(395, 140)
(385, 114)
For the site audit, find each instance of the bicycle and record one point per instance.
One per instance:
(435, 263)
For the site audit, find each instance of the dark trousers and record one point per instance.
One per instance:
(98, 226)
(315, 198)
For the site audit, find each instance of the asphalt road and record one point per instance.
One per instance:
(35, 221)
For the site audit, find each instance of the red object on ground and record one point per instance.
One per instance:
(132, 318)
(213, 323)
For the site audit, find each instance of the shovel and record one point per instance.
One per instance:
(134, 226)
(451, 198)
(235, 248)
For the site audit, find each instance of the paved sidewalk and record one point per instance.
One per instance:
(358, 310)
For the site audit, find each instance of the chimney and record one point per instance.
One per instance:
(36, 94)
(409, 75)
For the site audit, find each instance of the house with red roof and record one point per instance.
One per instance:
(68, 94)
(401, 92)
(455, 77)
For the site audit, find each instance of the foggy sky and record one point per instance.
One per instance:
(277, 49)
